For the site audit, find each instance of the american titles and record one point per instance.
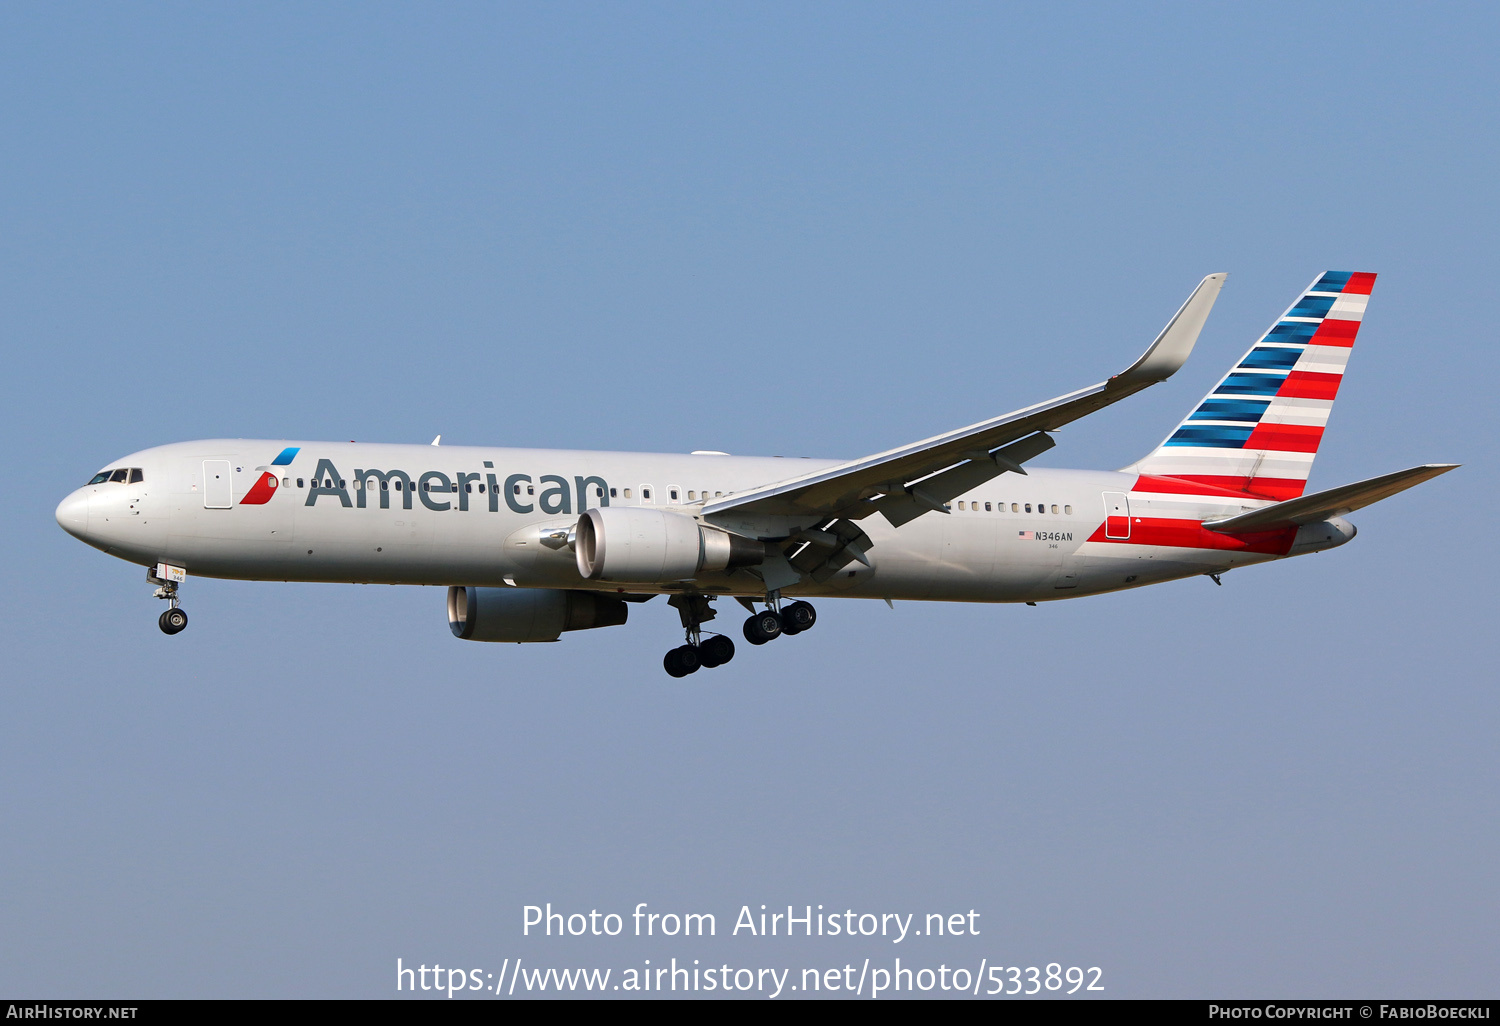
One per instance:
(439, 492)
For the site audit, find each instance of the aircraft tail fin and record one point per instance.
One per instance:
(1259, 429)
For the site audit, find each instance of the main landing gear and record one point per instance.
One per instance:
(770, 624)
(715, 650)
(174, 619)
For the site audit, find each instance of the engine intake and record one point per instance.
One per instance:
(641, 545)
(528, 614)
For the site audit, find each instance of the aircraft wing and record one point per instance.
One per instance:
(1334, 502)
(905, 482)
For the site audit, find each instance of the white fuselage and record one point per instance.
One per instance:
(451, 515)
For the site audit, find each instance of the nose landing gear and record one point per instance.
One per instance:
(174, 620)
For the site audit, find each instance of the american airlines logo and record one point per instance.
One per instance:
(435, 489)
(265, 486)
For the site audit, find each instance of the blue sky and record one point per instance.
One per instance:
(767, 229)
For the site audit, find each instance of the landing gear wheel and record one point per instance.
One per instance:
(172, 621)
(762, 627)
(798, 617)
(716, 651)
(681, 661)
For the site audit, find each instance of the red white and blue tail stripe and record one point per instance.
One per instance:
(1259, 429)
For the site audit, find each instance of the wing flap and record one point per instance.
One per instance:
(1334, 502)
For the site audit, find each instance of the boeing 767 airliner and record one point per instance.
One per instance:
(535, 542)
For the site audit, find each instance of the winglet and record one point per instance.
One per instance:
(1175, 343)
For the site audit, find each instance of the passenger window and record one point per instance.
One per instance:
(627, 493)
(614, 492)
(598, 492)
(384, 484)
(359, 484)
(469, 488)
(119, 475)
(99, 478)
(960, 505)
(987, 507)
(1068, 510)
(518, 489)
(1028, 507)
(531, 489)
(718, 495)
(673, 493)
(285, 482)
(481, 489)
(299, 482)
(645, 493)
(1054, 507)
(692, 495)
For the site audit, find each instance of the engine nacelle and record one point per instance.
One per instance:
(528, 614)
(652, 546)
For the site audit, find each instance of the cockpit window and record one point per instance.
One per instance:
(131, 475)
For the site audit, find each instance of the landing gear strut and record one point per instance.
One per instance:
(695, 610)
(174, 619)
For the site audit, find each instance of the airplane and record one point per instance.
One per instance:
(534, 543)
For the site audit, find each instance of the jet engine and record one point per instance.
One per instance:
(643, 545)
(528, 614)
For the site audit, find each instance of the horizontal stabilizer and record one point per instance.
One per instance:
(1335, 502)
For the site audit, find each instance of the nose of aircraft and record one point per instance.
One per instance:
(73, 514)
